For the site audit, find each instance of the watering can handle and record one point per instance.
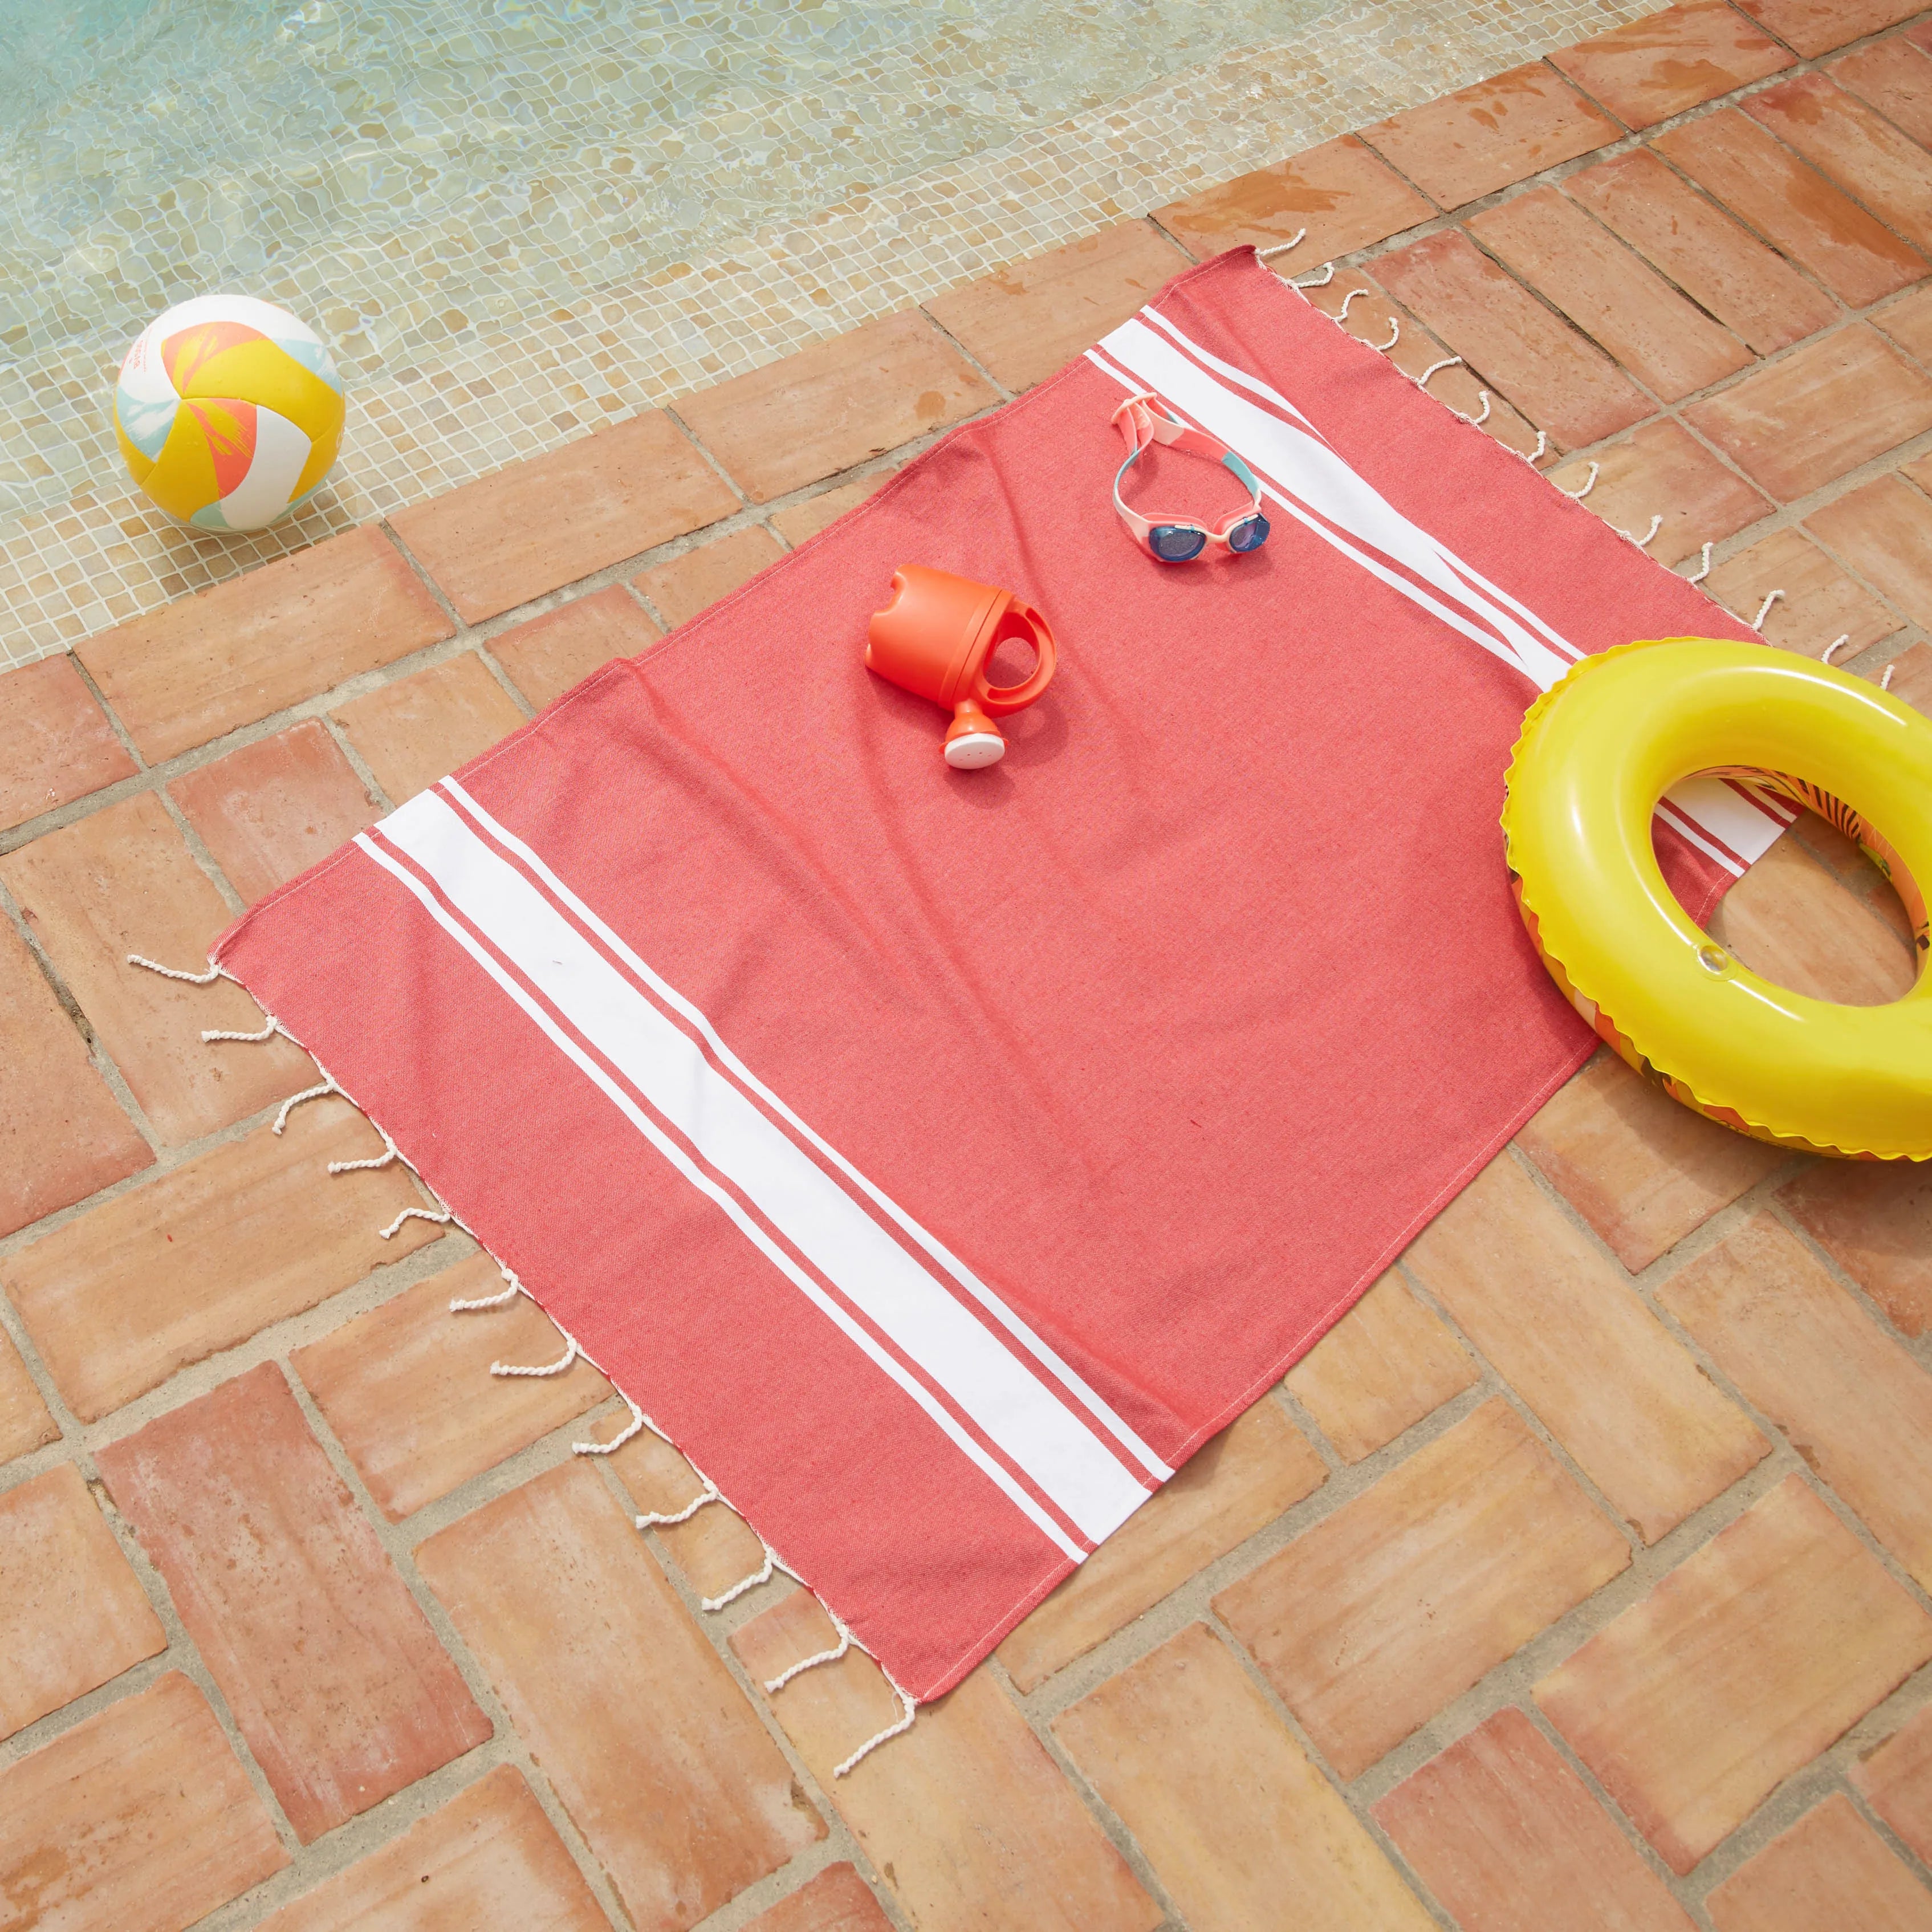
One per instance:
(1001, 701)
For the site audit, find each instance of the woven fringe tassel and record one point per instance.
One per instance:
(871, 1745)
(308, 1094)
(416, 1214)
(617, 1442)
(661, 1519)
(207, 978)
(389, 1152)
(1631, 536)
(460, 1306)
(1704, 568)
(268, 1032)
(1764, 609)
(1577, 495)
(1281, 248)
(761, 1575)
(357, 1166)
(773, 1685)
(555, 1368)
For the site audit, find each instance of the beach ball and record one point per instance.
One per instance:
(229, 412)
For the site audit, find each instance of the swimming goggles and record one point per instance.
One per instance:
(1172, 540)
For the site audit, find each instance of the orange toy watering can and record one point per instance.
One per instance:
(935, 638)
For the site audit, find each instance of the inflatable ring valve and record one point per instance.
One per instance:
(1597, 751)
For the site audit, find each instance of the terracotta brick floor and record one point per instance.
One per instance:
(1578, 1579)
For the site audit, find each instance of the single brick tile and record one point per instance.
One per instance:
(122, 880)
(62, 1133)
(1794, 425)
(1258, 1467)
(1884, 529)
(274, 808)
(1662, 469)
(1718, 262)
(1795, 208)
(1821, 603)
(333, 1675)
(1874, 1218)
(1600, 1371)
(1385, 1366)
(54, 743)
(1908, 321)
(1814, 27)
(1339, 193)
(797, 522)
(714, 1547)
(487, 1861)
(1896, 78)
(1666, 63)
(24, 1422)
(1026, 320)
(207, 1254)
(1750, 1658)
(140, 1819)
(1609, 293)
(658, 1758)
(407, 1388)
(1860, 150)
(1560, 382)
(1371, 1621)
(72, 1613)
(1508, 1837)
(1789, 919)
(252, 646)
(1831, 1868)
(688, 584)
(1643, 1170)
(1232, 1817)
(548, 520)
(1896, 1781)
(1854, 1403)
(837, 1901)
(420, 728)
(553, 654)
(969, 1819)
(835, 403)
(1479, 139)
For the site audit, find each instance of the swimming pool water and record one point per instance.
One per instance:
(412, 168)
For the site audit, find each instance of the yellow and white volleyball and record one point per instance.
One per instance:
(229, 412)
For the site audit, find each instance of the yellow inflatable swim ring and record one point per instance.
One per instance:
(1597, 751)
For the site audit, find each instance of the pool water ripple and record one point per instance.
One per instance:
(423, 167)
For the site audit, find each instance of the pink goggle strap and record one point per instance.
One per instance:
(1142, 424)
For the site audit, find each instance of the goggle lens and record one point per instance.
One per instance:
(1176, 543)
(1249, 535)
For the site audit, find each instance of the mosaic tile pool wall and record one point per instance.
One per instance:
(424, 166)
(516, 219)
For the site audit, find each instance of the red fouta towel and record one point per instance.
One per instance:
(940, 1158)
